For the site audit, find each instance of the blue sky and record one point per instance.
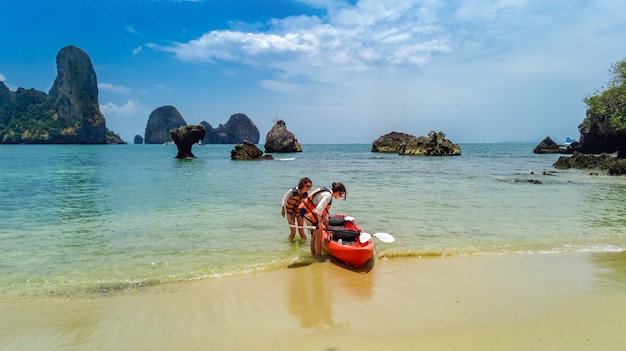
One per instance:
(335, 71)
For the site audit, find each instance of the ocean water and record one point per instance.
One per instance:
(80, 220)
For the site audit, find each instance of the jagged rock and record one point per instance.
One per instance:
(138, 139)
(571, 148)
(112, 138)
(75, 94)
(531, 181)
(547, 146)
(248, 151)
(618, 167)
(160, 122)
(435, 144)
(581, 161)
(185, 137)
(613, 165)
(597, 136)
(279, 139)
(238, 128)
(391, 142)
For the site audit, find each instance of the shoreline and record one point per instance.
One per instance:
(564, 301)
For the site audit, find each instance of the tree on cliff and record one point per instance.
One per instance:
(604, 128)
(611, 103)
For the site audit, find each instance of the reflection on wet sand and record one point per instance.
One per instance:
(311, 297)
(612, 268)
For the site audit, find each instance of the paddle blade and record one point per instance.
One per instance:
(385, 237)
(364, 237)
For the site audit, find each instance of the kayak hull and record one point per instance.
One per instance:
(337, 242)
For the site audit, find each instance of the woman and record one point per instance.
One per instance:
(291, 200)
(316, 209)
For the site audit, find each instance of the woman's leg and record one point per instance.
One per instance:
(317, 234)
(301, 230)
(291, 219)
(312, 243)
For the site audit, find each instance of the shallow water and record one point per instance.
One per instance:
(96, 219)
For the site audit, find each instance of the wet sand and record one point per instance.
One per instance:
(508, 302)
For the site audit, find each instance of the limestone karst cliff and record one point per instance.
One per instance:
(68, 114)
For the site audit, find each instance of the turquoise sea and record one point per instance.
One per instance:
(81, 220)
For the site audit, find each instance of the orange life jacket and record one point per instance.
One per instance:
(291, 206)
(309, 206)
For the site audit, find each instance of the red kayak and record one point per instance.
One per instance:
(341, 239)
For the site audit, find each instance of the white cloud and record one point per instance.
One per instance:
(278, 86)
(118, 89)
(370, 34)
(2, 78)
(374, 34)
(137, 50)
(131, 30)
(130, 109)
(127, 120)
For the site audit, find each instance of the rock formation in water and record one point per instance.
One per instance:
(279, 139)
(604, 128)
(547, 146)
(603, 162)
(435, 144)
(75, 95)
(160, 122)
(248, 151)
(598, 136)
(185, 137)
(391, 142)
(68, 114)
(238, 128)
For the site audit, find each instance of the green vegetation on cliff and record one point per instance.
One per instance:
(68, 114)
(610, 105)
(30, 118)
(33, 119)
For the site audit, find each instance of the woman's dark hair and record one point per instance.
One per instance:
(339, 187)
(303, 182)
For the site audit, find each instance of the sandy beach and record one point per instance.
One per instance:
(508, 302)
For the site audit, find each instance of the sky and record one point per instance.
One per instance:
(481, 71)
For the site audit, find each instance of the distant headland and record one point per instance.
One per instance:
(602, 131)
(68, 114)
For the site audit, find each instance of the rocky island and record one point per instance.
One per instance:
(435, 144)
(548, 146)
(68, 114)
(238, 128)
(279, 139)
(160, 122)
(248, 151)
(167, 118)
